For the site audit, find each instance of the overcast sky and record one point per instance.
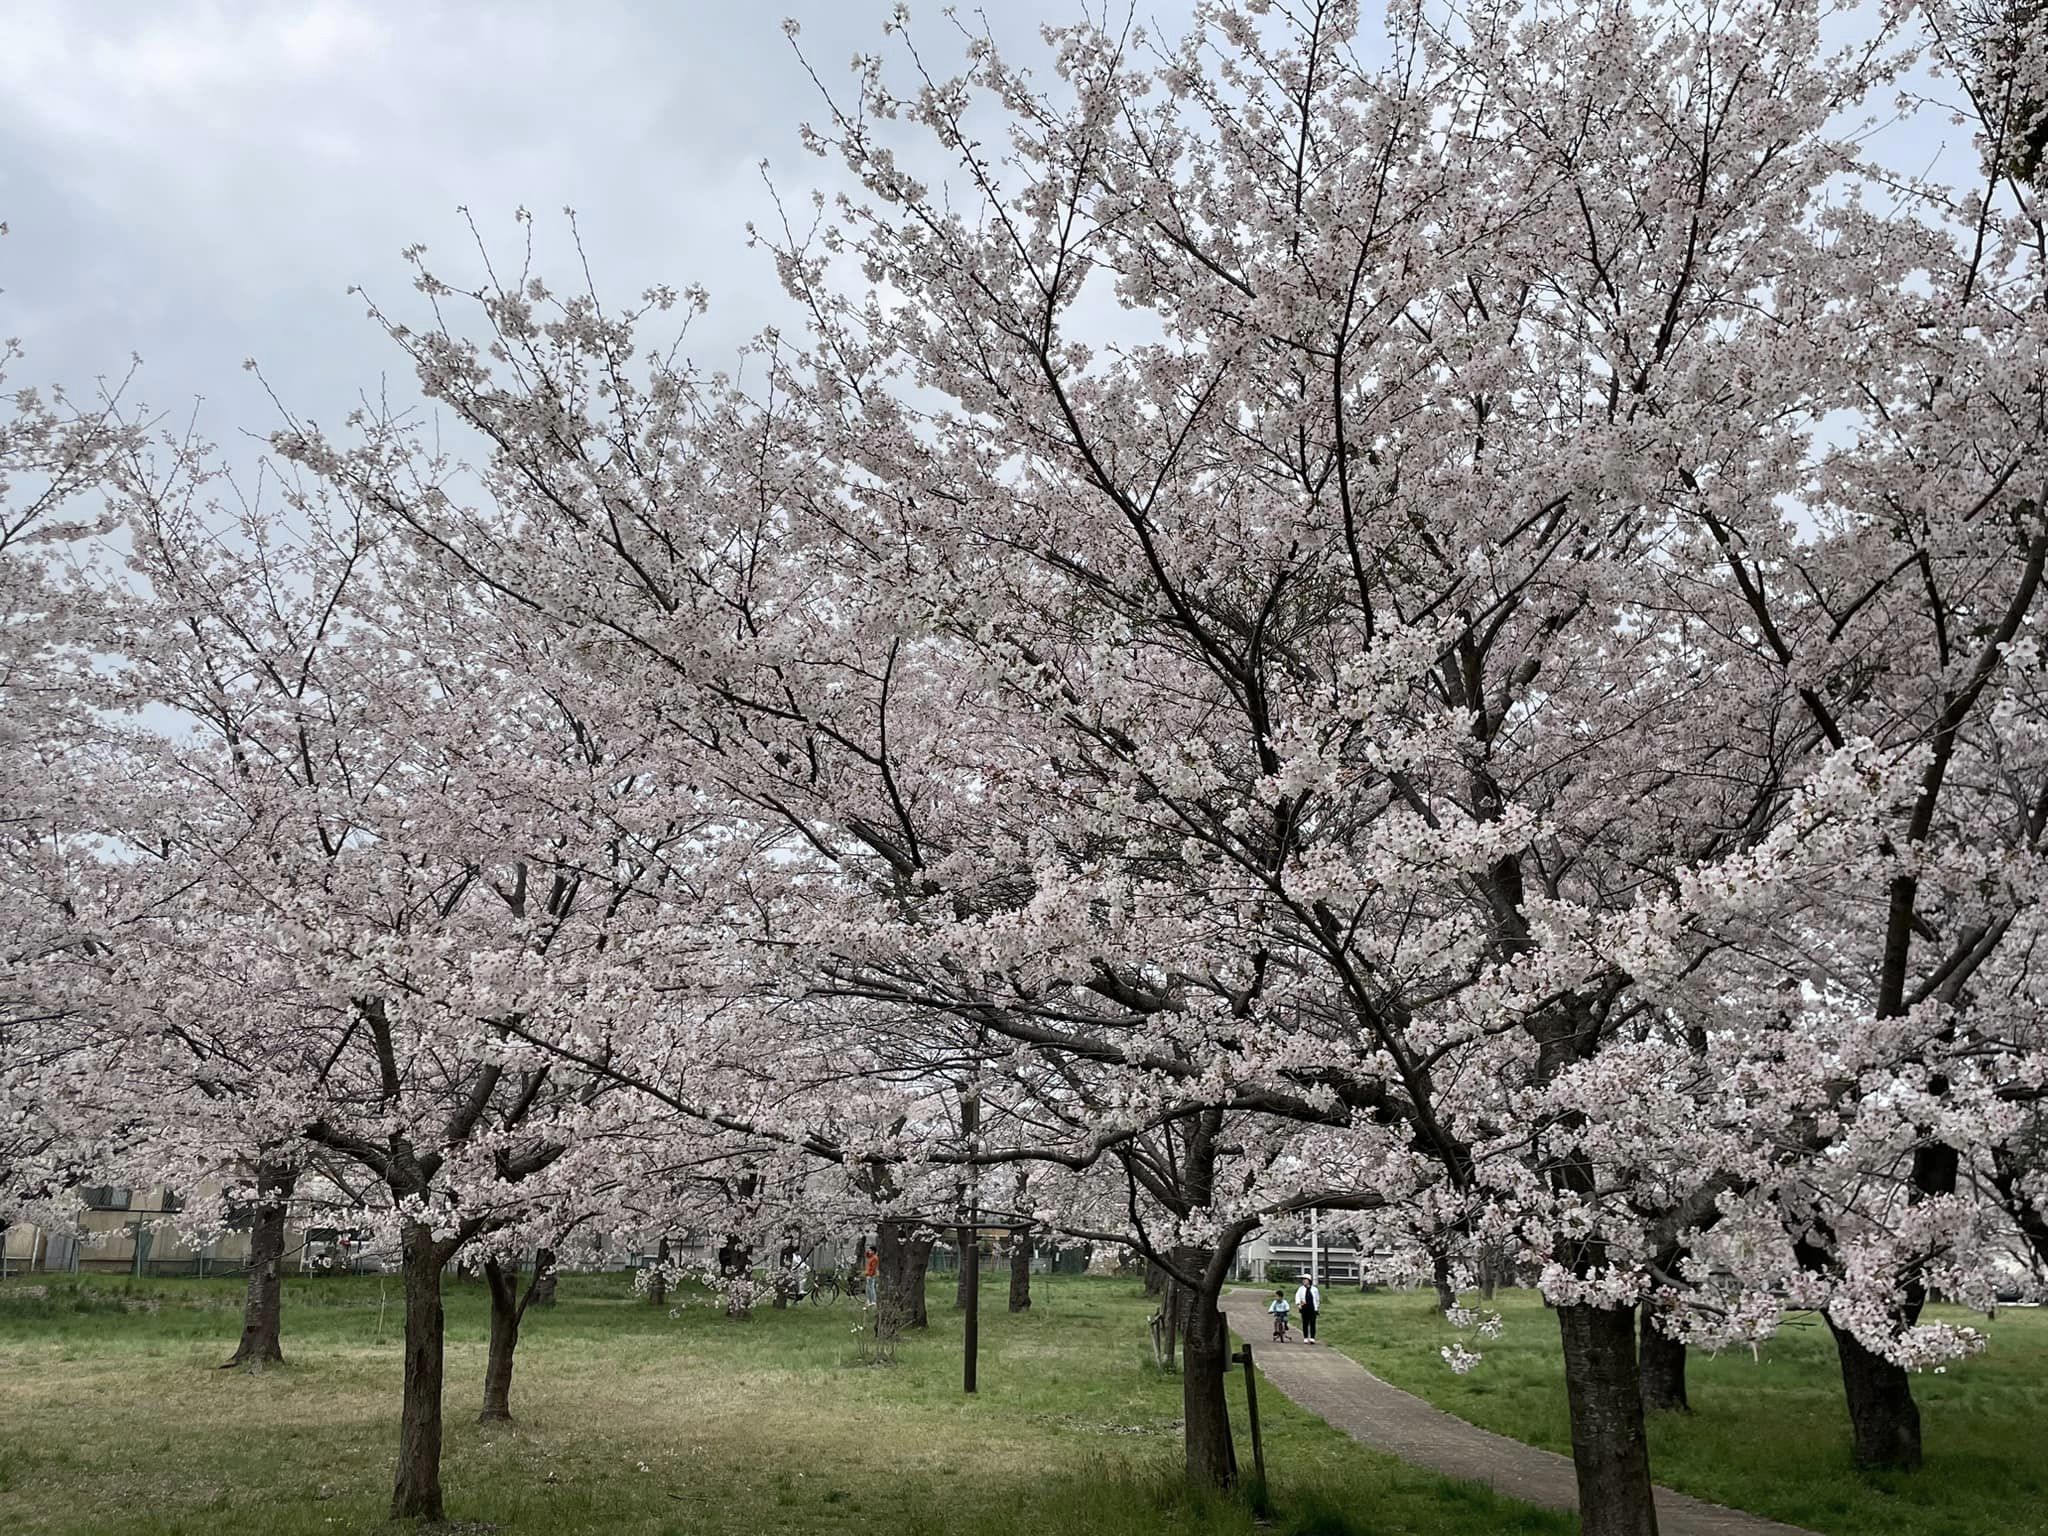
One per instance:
(199, 183)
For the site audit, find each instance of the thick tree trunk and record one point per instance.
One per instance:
(1884, 1421)
(417, 1494)
(1609, 1449)
(1211, 1455)
(506, 1313)
(1489, 1271)
(1662, 1361)
(1020, 1272)
(263, 1303)
(1155, 1279)
(904, 1256)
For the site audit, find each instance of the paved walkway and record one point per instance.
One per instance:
(1370, 1411)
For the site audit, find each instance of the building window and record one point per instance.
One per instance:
(173, 1203)
(105, 1197)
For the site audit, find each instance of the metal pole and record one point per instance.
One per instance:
(970, 1259)
(970, 1246)
(1315, 1246)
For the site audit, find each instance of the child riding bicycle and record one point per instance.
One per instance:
(1278, 1307)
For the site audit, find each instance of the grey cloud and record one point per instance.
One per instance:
(202, 182)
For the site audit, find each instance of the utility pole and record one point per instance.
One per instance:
(1315, 1245)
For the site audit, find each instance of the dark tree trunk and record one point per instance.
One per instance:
(788, 1279)
(417, 1494)
(736, 1268)
(904, 1256)
(1884, 1421)
(1662, 1361)
(1489, 1271)
(1609, 1449)
(2031, 1218)
(1212, 1457)
(508, 1311)
(1440, 1270)
(1155, 1279)
(657, 1285)
(1020, 1272)
(505, 1319)
(963, 1236)
(263, 1304)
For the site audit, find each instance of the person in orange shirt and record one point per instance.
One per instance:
(873, 1271)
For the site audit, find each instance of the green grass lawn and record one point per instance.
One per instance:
(114, 1418)
(1768, 1434)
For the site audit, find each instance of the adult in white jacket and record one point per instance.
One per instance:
(1308, 1301)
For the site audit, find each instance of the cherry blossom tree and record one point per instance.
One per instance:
(1417, 381)
(56, 903)
(336, 795)
(1296, 608)
(1901, 604)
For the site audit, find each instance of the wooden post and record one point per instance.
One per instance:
(1251, 1404)
(970, 1268)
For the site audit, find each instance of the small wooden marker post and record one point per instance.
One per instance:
(1251, 1404)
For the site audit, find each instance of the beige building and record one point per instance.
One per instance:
(126, 1232)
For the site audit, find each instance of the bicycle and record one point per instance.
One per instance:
(826, 1289)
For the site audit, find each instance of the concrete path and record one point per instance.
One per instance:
(1354, 1400)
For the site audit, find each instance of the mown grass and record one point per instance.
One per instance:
(1768, 1434)
(635, 1421)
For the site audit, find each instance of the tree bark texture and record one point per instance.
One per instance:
(657, 1285)
(1020, 1272)
(508, 1311)
(1440, 1271)
(263, 1303)
(1211, 1453)
(1610, 1451)
(904, 1253)
(417, 1494)
(1662, 1361)
(1884, 1421)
